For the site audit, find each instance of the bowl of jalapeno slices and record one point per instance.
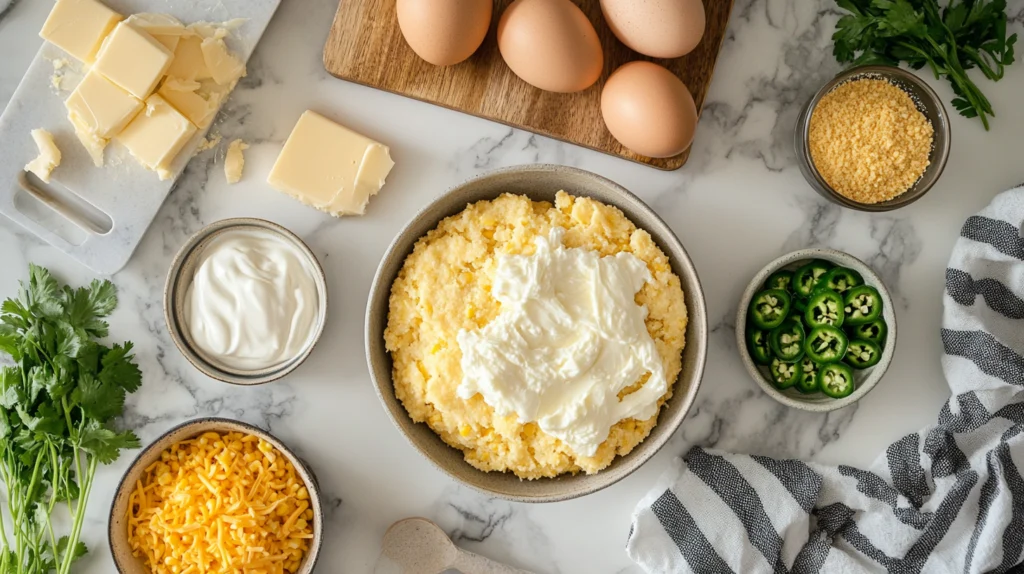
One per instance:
(816, 329)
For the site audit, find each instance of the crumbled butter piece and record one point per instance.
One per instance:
(188, 63)
(49, 155)
(209, 143)
(224, 67)
(234, 161)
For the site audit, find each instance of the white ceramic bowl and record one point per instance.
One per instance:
(539, 182)
(866, 378)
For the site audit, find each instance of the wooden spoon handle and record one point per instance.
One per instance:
(469, 563)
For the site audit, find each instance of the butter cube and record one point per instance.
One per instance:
(103, 108)
(133, 60)
(191, 99)
(188, 63)
(330, 167)
(49, 155)
(224, 67)
(164, 28)
(156, 135)
(79, 26)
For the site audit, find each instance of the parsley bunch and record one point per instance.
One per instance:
(56, 407)
(965, 34)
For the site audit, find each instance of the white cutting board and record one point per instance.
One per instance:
(98, 215)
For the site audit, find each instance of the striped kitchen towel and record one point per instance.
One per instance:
(949, 498)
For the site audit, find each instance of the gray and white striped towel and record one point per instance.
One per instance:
(949, 498)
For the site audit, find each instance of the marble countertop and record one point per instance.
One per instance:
(739, 202)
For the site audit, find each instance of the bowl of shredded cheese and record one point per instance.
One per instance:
(874, 138)
(216, 495)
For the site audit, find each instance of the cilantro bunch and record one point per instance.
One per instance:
(56, 406)
(966, 34)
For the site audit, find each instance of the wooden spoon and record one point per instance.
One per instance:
(418, 546)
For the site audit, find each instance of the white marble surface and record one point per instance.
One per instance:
(738, 203)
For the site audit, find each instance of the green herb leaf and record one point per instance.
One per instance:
(949, 40)
(98, 400)
(106, 444)
(119, 368)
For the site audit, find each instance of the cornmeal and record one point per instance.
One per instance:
(444, 286)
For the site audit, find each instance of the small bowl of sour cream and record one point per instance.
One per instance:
(245, 301)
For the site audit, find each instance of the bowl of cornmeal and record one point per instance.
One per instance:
(874, 138)
(537, 333)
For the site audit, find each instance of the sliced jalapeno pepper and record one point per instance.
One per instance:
(758, 346)
(861, 354)
(875, 331)
(807, 277)
(841, 280)
(836, 380)
(787, 341)
(781, 279)
(785, 375)
(769, 308)
(826, 344)
(799, 308)
(825, 307)
(808, 382)
(863, 305)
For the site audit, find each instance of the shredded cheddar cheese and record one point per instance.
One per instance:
(220, 503)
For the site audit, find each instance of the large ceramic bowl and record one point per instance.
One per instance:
(118, 523)
(539, 182)
(866, 379)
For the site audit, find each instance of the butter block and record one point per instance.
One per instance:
(191, 99)
(234, 161)
(49, 155)
(156, 135)
(79, 26)
(101, 106)
(224, 67)
(164, 28)
(188, 63)
(330, 167)
(133, 60)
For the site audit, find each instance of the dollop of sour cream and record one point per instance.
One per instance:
(569, 337)
(252, 303)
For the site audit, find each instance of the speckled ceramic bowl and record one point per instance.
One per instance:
(117, 532)
(866, 379)
(539, 182)
(927, 101)
(183, 269)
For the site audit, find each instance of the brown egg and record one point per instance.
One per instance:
(649, 110)
(550, 44)
(444, 32)
(658, 28)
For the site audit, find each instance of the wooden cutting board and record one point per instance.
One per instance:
(366, 46)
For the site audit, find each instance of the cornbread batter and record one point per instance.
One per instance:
(445, 286)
